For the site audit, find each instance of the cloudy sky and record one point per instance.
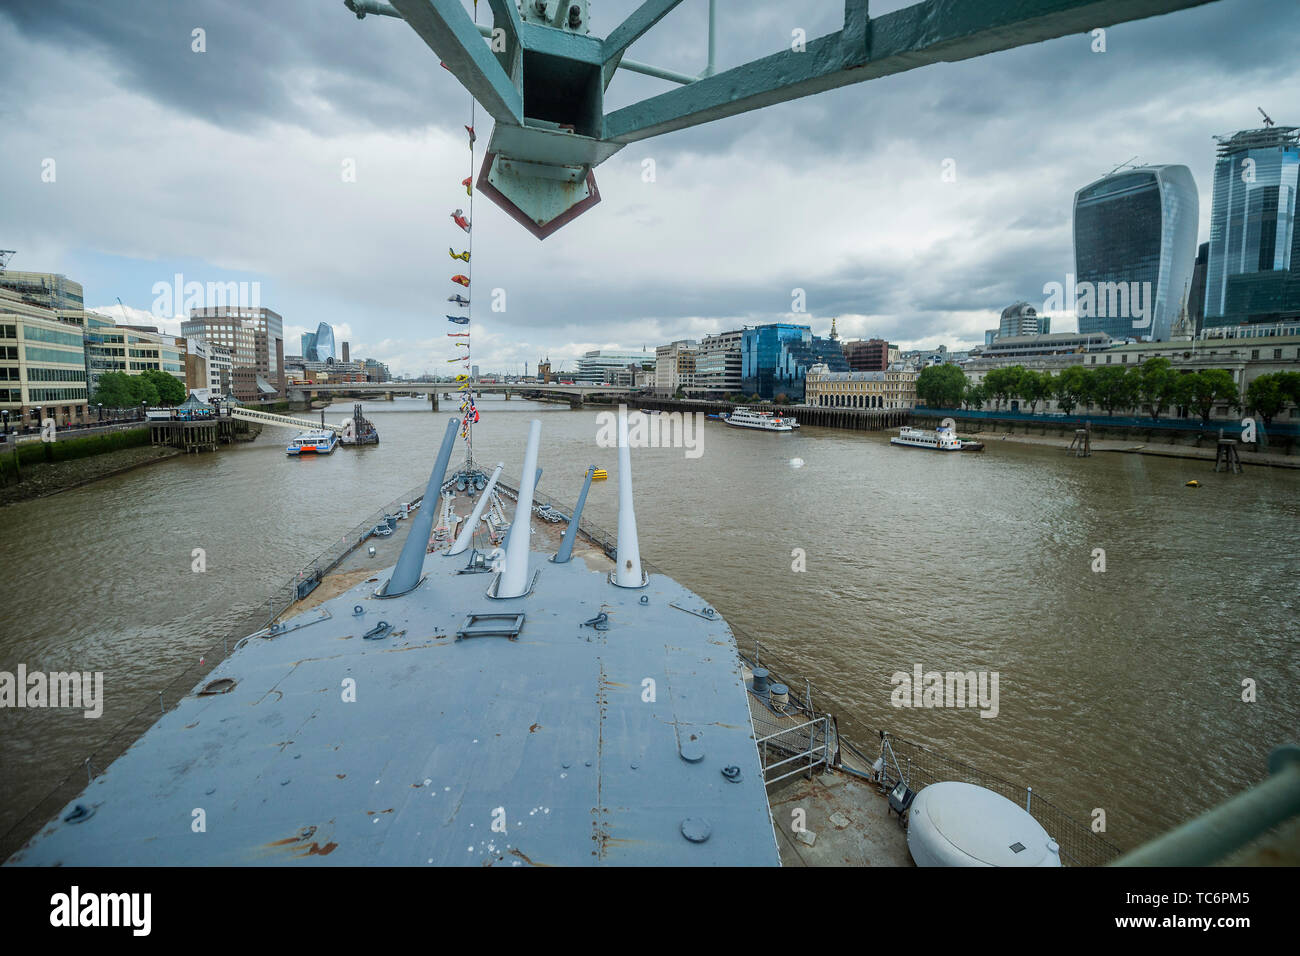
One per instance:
(226, 165)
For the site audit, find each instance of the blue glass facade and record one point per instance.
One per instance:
(1253, 272)
(774, 359)
(319, 345)
(1136, 226)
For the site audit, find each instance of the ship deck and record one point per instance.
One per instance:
(846, 822)
(566, 745)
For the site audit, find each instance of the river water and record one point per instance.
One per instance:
(1119, 690)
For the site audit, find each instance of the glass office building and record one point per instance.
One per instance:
(774, 359)
(1135, 233)
(318, 346)
(1253, 273)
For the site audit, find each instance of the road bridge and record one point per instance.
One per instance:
(575, 393)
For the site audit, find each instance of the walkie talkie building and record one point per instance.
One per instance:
(1135, 236)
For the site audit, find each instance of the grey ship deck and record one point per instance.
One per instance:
(548, 732)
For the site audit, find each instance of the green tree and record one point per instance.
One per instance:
(1070, 388)
(941, 386)
(781, 398)
(1017, 382)
(1112, 388)
(169, 388)
(1266, 396)
(143, 391)
(1203, 390)
(114, 391)
(975, 395)
(680, 393)
(1290, 385)
(1157, 385)
(994, 383)
(1035, 387)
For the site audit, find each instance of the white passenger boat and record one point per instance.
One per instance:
(313, 443)
(763, 421)
(941, 439)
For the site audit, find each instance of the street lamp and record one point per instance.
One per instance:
(101, 412)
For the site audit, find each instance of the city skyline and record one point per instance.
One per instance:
(728, 229)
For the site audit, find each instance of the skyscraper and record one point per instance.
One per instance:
(324, 342)
(1134, 249)
(1196, 296)
(1253, 274)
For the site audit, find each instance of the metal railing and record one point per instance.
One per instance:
(807, 743)
(918, 767)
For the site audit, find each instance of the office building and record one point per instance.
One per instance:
(1253, 272)
(42, 364)
(1021, 319)
(599, 365)
(871, 355)
(775, 359)
(718, 364)
(1196, 295)
(675, 366)
(255, 338)
(1134, 251)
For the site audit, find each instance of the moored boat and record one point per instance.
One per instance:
(762, 421)
(313, 443)
(940, 439)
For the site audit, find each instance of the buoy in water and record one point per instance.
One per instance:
(1193, 484)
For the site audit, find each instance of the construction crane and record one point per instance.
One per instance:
(1267, 120)
(5, 256)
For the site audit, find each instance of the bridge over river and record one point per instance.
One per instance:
(576, 394)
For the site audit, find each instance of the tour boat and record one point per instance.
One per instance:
(942, 438)
(313, 443)
(763, 421)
